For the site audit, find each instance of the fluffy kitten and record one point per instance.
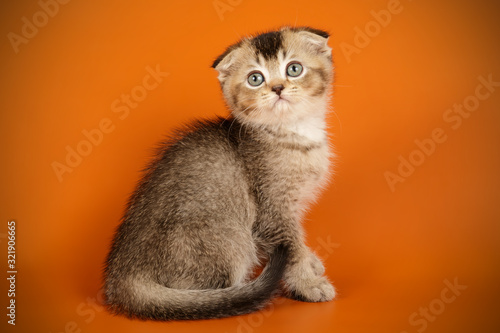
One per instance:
(224, 194)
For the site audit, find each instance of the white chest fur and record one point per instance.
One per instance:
(310, 128)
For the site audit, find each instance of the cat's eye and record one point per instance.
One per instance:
(294, 69)
(255, 79)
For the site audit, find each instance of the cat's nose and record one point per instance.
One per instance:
(278, 89)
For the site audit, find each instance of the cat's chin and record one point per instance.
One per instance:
(281, 104)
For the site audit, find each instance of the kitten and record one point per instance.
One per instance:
(224, 194)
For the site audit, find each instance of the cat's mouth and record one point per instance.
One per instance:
(280, 100)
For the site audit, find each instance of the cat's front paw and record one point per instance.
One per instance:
(317, 289)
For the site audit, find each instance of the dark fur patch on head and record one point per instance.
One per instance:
(268, 44)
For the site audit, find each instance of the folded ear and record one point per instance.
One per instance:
(224, 63)
(317, 40)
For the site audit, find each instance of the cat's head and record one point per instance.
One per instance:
(277, 77)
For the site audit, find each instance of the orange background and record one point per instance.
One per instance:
(392, 250)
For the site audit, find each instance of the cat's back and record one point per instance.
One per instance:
(197, 147)
(198, 166)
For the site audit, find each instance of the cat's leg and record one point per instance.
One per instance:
(211, 259)
(317, 265)
(304, 277)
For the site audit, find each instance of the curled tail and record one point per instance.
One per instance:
(150, 300)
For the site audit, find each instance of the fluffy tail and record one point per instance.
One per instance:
(157, 302)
